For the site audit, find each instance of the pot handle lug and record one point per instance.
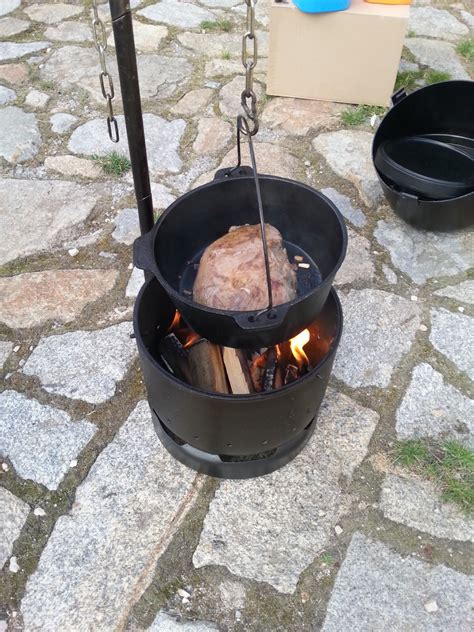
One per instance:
(398, 96)
(143, 252)
(233, 172)
(263, 319)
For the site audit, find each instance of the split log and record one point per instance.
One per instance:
(291, 374)
(270, 368)
(237, 370)
(207, 367)
(257, 370)
(278, 381)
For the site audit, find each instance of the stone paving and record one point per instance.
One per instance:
(101, 530)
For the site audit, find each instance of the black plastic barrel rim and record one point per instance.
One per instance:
(426, 166)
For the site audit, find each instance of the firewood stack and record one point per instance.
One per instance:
(218, 369)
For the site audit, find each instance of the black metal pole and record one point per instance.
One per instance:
(132, 108)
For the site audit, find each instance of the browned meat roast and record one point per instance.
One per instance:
(231, 273)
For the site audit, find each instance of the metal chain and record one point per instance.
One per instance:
(248, 98)
(106, 83)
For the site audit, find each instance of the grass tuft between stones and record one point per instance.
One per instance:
(450, 465)
(466, 49)
(360, 114)
(221, 24)
(435, 76)
(412, 79)
(113, 163)
(327, 558)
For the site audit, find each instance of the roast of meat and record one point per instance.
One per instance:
(231, 274)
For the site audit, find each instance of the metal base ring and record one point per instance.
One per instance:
(219, 466)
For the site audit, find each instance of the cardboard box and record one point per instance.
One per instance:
(349, 56)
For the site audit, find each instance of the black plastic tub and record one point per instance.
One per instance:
(441, 108)
(229, 436)
(309, 222)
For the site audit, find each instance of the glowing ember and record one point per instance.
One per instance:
(297, 343)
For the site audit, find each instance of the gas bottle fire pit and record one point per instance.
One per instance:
(233, 395)
(224, 434)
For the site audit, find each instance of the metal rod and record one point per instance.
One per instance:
(132, 108)
(243, 126)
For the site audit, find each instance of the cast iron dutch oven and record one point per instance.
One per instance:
(309, 222)
(445, 108)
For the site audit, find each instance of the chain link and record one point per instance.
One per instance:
(106, 83)
(248, 97)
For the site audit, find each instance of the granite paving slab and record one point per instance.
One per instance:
(271, 528)
(417, 504)
(40, 441)
(433, 408)
(123, 517)
(59, 206)
(101, 359)
(14, 513)
(378, 589)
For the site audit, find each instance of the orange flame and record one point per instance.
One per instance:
(297, 343)
(175, 321)
(191, 339)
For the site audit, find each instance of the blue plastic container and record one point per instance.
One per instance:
(321, 6)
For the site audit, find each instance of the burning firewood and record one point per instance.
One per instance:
(206, 367)
(257, 370)
(237, 370)
(291, 374)
(278, 381)
(270, 368)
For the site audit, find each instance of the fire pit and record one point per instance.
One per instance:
(240, 410)
(231, 435)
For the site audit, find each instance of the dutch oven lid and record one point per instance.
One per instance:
(428, 166)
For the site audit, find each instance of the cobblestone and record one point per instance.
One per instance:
(21, 138)
(6, 95)
(176, 13)
(101, 359)
(249, 521)
(58, 206)
(348, 153)
(377, 588)
(417, 504)
(12, 26)
(5, 350)
(33, 298)
(14, 513)
(40, 440)
(51, 13)
(453, 335)
(389, 321)
(433, 408)
(108, 544)
(431, 22)
(437, 55)
(162, 141)
(424, 255)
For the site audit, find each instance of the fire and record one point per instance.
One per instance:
(191, 338)
(175, 322)
(297, 343)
